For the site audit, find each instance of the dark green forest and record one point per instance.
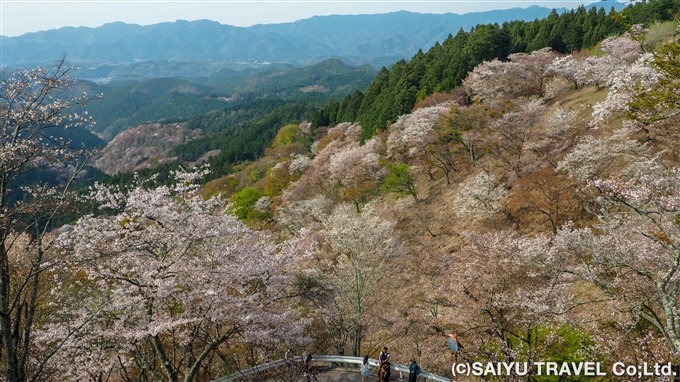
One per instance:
(125, 104)
(245, 141)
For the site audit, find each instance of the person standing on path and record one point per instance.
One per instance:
(290, 357)
(365, 370)
(413, 371)
(382, 358)
(455, 346)
(386, 371)
(305, 360)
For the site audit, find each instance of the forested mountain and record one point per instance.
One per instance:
(239, 133)
(393, 92)
(331, 77)
(180, 69)
(397, 34)
(187, 120)
(125, 104)
(375, 39)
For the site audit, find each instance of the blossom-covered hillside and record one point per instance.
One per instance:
(140, 146)
(536, 207)
(534, 211)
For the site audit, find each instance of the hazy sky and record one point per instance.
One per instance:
(21, 16)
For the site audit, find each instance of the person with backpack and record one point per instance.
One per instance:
(413, 371)
(382, 358)
(365, 370)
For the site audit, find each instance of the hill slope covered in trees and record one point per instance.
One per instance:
(535, 211)
(395, 91)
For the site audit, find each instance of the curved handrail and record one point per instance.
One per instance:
(330, 359)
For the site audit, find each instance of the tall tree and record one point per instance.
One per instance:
(365, 247)
(28, 108)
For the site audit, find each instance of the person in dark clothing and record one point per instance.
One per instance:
(306, 357)
(386, 372)
(290, 359)
(382, 358)
(413, 371)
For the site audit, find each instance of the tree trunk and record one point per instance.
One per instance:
(8, 338)
(356, 351)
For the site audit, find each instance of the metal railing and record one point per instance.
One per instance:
(330, 359)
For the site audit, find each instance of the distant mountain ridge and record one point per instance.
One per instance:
(374, 39)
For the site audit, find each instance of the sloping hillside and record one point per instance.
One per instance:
(143, 146)
(395, 91)
(514, 219)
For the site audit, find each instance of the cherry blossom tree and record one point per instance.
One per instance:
(480, 195)
(29, 109)
(510, 133)
(592, 155)
(299, 214)
(623, 84)
(567, 67)
(596, 70)
(523, 75)
(422, 139)
(487, 80)
(531, 72)
(624, 48)
(620, 51)
(632, 254)
(412, 132)
(176, 281)
(366, 250)
(316, 179)
(299, 164)
(357, 170)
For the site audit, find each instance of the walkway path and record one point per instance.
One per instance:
(342, 374)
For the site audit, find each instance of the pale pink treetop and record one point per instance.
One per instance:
(412, 132)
